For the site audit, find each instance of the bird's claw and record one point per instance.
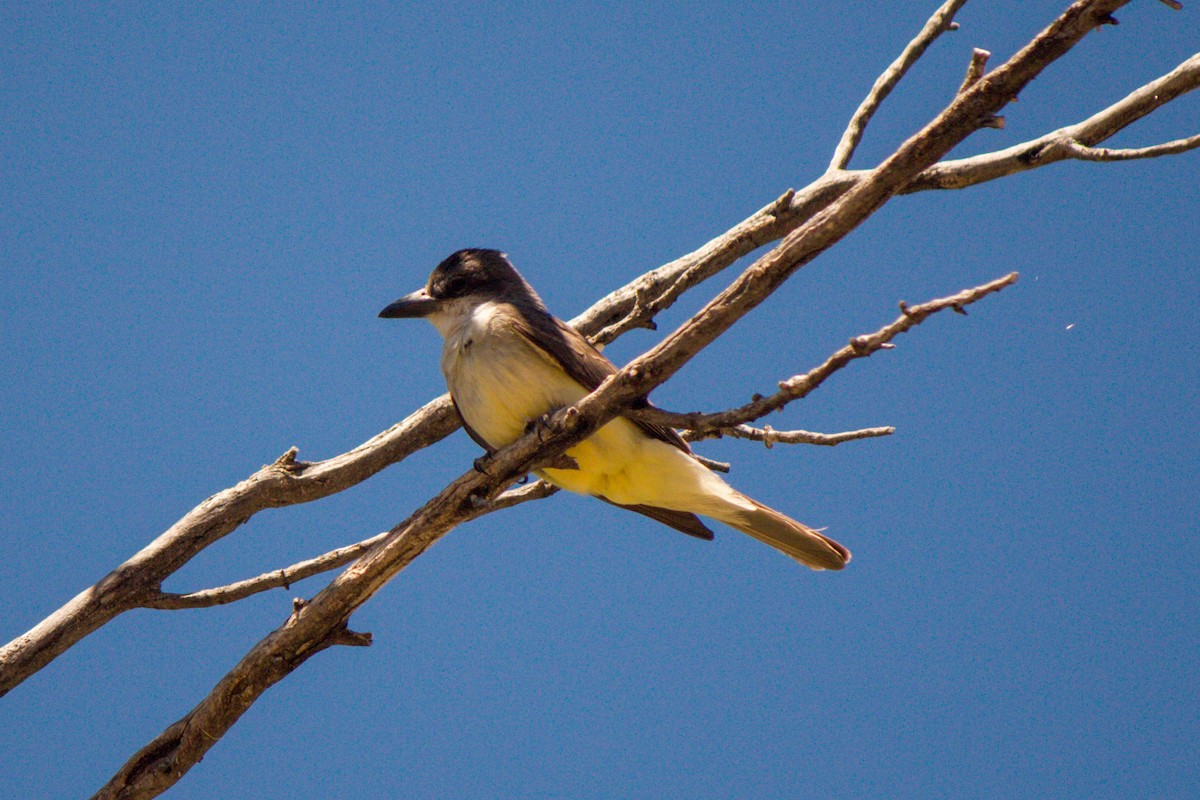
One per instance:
(540, 426)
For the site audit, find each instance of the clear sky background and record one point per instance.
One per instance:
(203, 209)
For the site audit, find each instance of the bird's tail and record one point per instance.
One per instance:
(785, 534)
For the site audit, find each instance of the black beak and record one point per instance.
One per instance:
(417, 304)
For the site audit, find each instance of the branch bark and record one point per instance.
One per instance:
(1058, 145)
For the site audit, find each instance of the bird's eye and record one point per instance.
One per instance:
(454, 287)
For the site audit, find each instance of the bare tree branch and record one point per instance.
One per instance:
(1059, 145)
(702, 425)
(323, 621)
(715, 466)
(769, 436)
(967, 112)
(941, 21)
(794, 208)
(280, 578)
(1085, 153)
(285, 482)
(285, 577)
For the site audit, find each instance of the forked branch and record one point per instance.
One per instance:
(941, 21)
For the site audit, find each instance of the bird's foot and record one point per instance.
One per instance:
(540, 426)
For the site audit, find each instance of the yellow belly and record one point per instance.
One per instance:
(622, 464)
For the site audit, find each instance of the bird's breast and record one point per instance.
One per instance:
(500, 382)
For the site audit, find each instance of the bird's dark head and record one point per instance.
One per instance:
(470, 276)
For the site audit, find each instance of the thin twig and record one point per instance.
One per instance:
(941, 21)
(280, 578)
(284, 578)
(975, 69)
(523, 494)
(798, 386)
(715, 466)
(1085, 153)
(769, 436)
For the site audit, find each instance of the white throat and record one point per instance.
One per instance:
(453, 317)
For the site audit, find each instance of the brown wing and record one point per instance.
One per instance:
(589, 367)
(679, 520)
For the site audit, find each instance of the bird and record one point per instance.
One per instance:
(508, 363)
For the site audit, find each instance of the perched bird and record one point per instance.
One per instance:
(508, 361)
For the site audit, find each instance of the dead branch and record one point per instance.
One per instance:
(1065, 143)
(280, 578)
(702, 426)
(941, 21)
(282, 483)
(1084, 153)
(793, 208)
(770, 437)
(285, 577)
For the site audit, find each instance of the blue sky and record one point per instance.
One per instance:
(205, 208)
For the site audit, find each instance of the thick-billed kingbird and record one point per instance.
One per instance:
(508, 361)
